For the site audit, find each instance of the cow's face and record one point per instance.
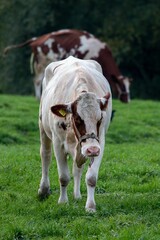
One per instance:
(123, 87)
(87, 119)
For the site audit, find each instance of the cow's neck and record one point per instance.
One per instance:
(108, 64)
(81, 87)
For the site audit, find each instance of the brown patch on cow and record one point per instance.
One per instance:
(91, 206)
(70, 136)
(64, 181)
(55, 47)
(124, 97)
(80, 159)
(108, 64)
(78, 124)
(81, 55)
(98, 125)
(92, 181)
(40, 40)
(45, 49)
(63, 125)
(104, 105)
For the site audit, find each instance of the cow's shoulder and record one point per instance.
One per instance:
(89, 63)
(70, 63)
(93, 65)
(50, 70)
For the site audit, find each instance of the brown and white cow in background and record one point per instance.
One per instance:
(75, 112)
(59, 45)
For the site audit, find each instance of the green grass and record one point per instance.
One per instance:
(128, 188)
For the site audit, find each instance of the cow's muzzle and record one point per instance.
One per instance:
(124, 97)
(92, 151)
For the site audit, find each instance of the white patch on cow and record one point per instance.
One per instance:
(90, 45)
(61, 52)
(63, 31)
(39, 49)
(52, 56)
(34, 38)
(60, 31)
(49, 42)
(127, 86)
(126, 83)
(72, 52)
(91, 113)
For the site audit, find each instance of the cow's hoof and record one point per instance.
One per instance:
(77, 196)
(91, 208)
(44, 193)
(62, 200)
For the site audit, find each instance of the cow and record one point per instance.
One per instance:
(75, 112)
(61, 44)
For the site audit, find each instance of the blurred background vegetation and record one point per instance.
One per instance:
(131, 28)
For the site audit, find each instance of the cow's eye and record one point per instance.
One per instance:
(84, 140)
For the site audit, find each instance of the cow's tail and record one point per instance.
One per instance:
(32, 63)
(7, 49)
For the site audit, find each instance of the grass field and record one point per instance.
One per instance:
(128, 188)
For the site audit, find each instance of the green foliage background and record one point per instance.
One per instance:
(131, 28)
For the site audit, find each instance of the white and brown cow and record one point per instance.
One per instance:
(59, 45)
(75, 113)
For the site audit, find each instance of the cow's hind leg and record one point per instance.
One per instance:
(45, 152)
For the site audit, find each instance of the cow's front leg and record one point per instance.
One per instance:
(63, 170)
(91, 180)
(77, 173)
(45, 152)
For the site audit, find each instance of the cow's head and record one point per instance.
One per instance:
(87, 119)
(122, 87)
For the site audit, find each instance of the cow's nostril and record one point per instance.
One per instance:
(93, 151)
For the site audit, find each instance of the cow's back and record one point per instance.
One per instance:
(63, 78)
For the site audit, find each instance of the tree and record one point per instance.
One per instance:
(131, 28)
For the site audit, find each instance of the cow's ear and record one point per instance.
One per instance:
(104, 101)
(61, 110)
